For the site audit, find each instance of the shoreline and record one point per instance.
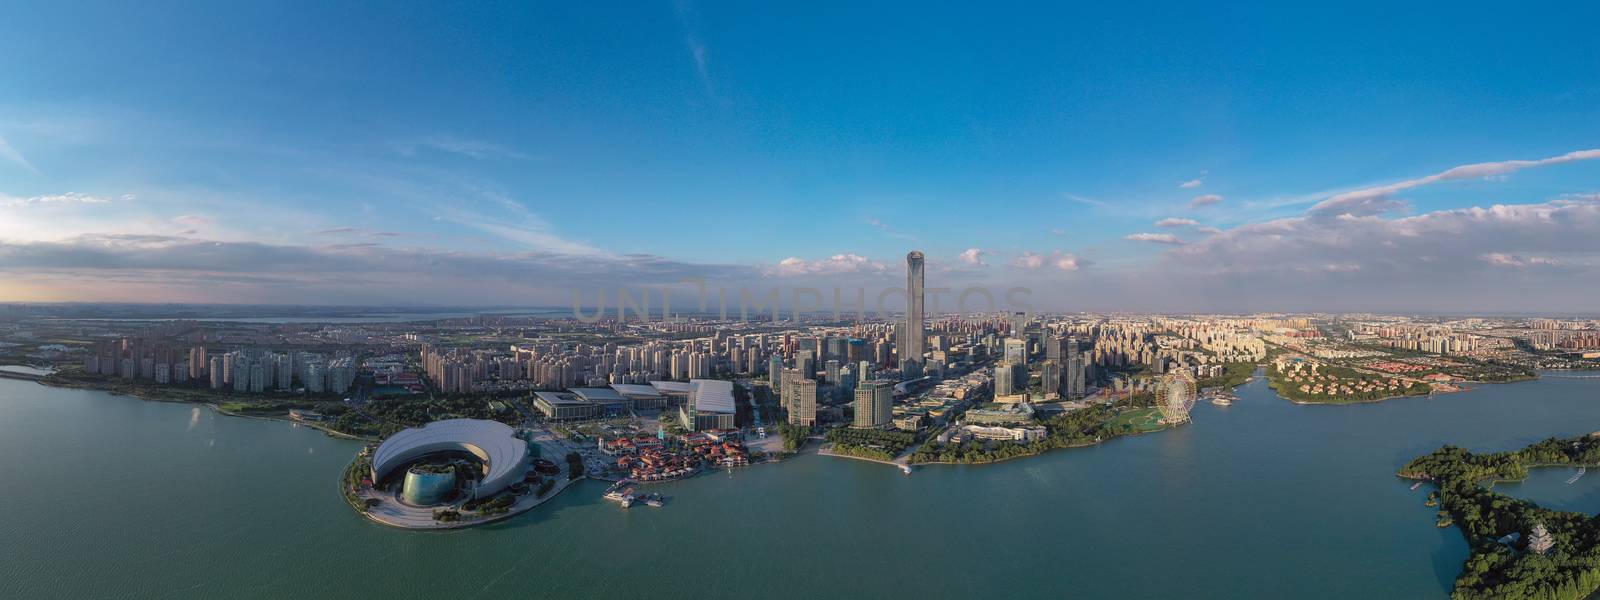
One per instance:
(1047, 451)
(1353, 402)
(823, 451)
(330, 432)
(146, 396)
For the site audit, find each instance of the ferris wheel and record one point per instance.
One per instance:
(1175, 396)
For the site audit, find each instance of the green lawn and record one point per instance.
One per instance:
(1140, 419)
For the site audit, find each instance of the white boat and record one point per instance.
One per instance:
(1222, 401)
(905, 469)
(627, 501)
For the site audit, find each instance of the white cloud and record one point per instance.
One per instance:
(1157, 238)
(1380, 199)
(1500, 259)
(1176, 222)
(1191, 184)
(57, 199)
(1446, 243)
(973, 256)
(60, 200)
(832, 265)
(1205, 200)
(1027, 260)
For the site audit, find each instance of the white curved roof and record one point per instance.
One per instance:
(495, 443)
(712, 395)
(671, 387)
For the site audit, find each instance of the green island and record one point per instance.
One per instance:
(1519, 550)
(1331, 384)
(1091, 425)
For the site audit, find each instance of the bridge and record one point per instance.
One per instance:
(8, 374)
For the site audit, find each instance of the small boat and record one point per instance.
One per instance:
(627, 501)
(905, 469)
(655, 500)
(1416, 485)
(1222, 401)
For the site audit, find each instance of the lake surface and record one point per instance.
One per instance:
(111, 497)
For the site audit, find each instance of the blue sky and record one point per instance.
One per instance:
(544, 147)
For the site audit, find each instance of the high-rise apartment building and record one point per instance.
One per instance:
(874, 404)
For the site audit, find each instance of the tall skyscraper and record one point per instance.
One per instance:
(874, 404)
(914, 332)
(1073, 371)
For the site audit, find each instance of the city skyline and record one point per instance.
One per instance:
(1279, 160)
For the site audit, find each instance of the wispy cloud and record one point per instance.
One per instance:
(59, 199)
(1380, 199)
(462, 146)
(973, 257)
(1204, 200)
(688, 19)
(1501, 259)
(1086, 200)
(1176, 222)
(888, 230)
(1156, 238)
(10, 153)
(524, 226)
